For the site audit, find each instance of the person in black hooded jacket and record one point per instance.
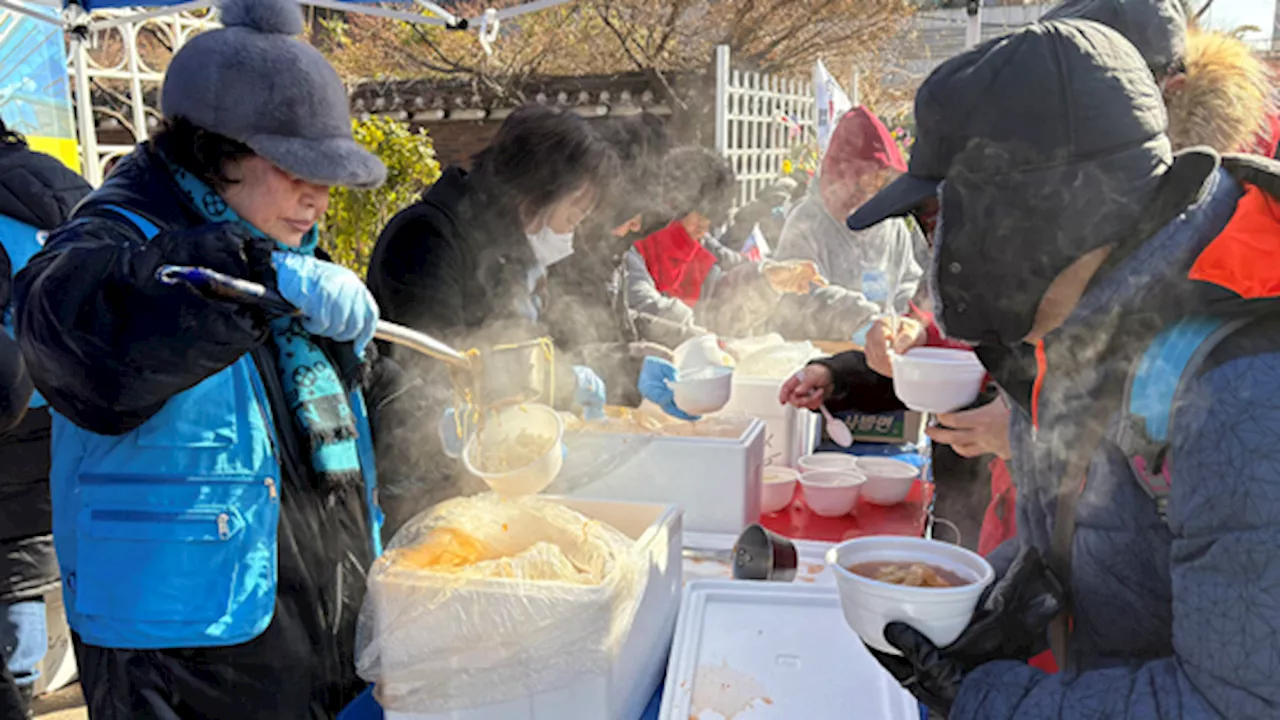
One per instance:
(37, 193)
(467, 264)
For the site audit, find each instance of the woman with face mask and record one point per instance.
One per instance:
(468, 264)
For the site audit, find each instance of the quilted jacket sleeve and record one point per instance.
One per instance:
(829, 313)
(658, 318)
(1225, 516)
(106, 343)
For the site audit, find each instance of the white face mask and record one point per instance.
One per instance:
(550, 247)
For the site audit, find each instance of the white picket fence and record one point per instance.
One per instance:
(750, 131)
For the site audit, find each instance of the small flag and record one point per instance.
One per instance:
(794, 128)
(756, 248)
(832, 103)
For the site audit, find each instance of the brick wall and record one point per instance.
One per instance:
(456, 142)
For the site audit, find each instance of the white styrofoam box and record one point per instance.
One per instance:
(715, 480)
(769, 651)
(790, 433)
(626, 689)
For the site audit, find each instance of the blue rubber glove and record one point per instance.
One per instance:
(654, 375)
(334, 301)
(591, 392)
(859, 337)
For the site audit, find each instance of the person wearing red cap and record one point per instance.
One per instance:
(879, 262)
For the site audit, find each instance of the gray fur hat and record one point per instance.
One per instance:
(1158, 28)
(255, 82)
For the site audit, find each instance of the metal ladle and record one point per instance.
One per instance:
(224, 287)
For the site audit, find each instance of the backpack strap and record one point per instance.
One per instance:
(1172, 358)
(145, 226)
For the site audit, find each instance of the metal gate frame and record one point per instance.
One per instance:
(749, 130)
(176, 24)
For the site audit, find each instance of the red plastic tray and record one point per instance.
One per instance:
(906, 518)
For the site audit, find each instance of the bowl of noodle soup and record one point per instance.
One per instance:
(932, 586)
(518, 450)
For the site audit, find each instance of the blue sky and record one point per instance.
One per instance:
(1228, 14)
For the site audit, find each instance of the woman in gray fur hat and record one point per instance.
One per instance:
(213, 479)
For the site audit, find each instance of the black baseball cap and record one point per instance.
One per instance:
(1057, 90)
(1037, 146)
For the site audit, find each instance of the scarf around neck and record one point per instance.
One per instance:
(313, 390)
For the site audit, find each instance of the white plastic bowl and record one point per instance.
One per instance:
(940, 613)
(888, 480)
(505, 427)
(831, 493)
(703, 391)
(827, 461)
(779, 488)
(937, 380)
(700, 352)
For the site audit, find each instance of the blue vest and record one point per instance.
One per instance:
(21, 242)
(167, 535)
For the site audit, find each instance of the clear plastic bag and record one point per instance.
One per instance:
(777, 362)
(483, 600)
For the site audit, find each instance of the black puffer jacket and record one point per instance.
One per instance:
(36, 189)
(457, 267)
(39, 191)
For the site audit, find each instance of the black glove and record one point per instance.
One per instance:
(1009, 624)
(222, 247)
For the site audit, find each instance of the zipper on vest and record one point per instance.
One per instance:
(224, 526)
(271, 487)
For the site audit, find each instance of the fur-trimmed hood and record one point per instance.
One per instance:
(1225, 98)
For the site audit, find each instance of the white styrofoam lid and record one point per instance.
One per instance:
(761, 651)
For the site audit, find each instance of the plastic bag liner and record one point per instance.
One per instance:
(777, 361)
(484, 600)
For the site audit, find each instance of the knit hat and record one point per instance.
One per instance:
(254, 82)
(859, 140)
(860, 147)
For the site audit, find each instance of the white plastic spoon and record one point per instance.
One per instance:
(838, 431)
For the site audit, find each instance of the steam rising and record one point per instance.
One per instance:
(1051, 215)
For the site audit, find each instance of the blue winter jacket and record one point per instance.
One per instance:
(184, 507)
(1171, 620)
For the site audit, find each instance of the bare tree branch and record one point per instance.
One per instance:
(607, 36)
